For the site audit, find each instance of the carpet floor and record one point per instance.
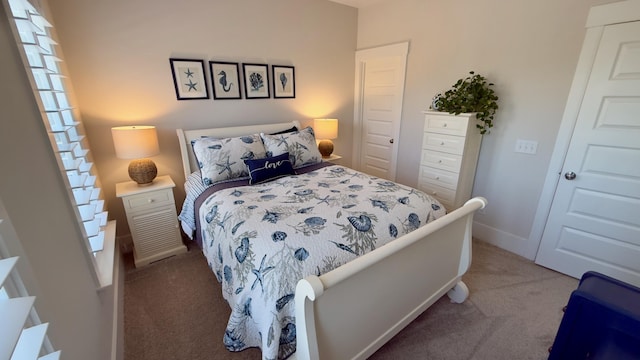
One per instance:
(173, 309)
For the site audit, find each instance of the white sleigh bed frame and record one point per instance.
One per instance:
(352, 311)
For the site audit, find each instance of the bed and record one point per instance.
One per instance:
(316, 260)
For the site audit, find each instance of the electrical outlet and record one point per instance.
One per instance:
(526, 146)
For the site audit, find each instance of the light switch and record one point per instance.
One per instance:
(526, 146)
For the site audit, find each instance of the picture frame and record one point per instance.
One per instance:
(189, 79)
(256, 81)
(225, 80)
(284, 81)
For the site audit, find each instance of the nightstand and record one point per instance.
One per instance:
(152, 218)
(332, 158)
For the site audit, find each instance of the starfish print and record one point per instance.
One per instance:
(226, 166)
(189, 73)
(192, 85)
(324, 199)
(282, 140)
(260, 273)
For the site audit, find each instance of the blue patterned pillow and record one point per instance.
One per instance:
(267, 169)
(222, 159)
(301, 146)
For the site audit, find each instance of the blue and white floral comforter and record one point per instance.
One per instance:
(260, 240)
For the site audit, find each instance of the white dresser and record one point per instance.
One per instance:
(450, 148)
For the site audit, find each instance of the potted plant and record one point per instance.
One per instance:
(470, 95)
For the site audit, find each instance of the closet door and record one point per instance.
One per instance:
(593, 223)
(380, 75)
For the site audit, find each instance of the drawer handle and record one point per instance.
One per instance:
(439, 161)
(150, 201)
(437, 177)
(442, 143)
(444, 125)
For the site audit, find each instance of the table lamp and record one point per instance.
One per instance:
(138, 143)
(325, 130)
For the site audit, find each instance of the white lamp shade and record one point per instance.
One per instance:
(325, 128)
(135, 142)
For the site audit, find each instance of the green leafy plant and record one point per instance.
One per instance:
(472, 94)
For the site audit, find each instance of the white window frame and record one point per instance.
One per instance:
(66, 133)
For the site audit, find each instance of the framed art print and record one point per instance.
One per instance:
(225, 80)
(284, 81)
(256, 81)
(189, 79)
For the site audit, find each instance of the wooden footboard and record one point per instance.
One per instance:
(353, 310)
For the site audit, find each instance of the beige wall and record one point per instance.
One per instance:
(118, 55)
(529, 49)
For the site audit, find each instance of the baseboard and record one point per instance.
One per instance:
(117, 335)
(503, 240)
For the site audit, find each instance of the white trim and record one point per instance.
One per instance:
(357, 113)
(502, 239)
(615, 13)
(399, 49)
(105, 259)
(117, 322)
(599, 16)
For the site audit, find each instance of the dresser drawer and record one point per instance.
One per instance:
(441, 160)
(446, 124)
(445, 196)
(443, 178)
(446, 143)
(148, 200)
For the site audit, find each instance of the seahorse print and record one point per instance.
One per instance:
(223, 81)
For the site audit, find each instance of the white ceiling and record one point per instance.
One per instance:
(357, 3)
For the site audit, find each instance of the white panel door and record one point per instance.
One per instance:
(380, 87)
(594, 221)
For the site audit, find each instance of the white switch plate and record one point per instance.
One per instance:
(526, 146)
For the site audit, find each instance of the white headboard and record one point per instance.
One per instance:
(189, 163)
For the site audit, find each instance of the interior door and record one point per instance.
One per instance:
(380, 75)
(594, 221)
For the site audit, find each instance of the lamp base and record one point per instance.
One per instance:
(325, 147)
(143, 171)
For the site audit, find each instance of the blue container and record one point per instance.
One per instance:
(601, 321)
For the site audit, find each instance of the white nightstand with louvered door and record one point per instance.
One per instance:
(450, 148)
(152, 218)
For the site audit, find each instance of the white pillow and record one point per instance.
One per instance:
(222, 159)
(301, 146)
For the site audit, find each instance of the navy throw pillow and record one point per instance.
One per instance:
(270, 168)
(293, 128)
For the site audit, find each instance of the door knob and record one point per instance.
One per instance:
(570, 175)
(390, 141)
